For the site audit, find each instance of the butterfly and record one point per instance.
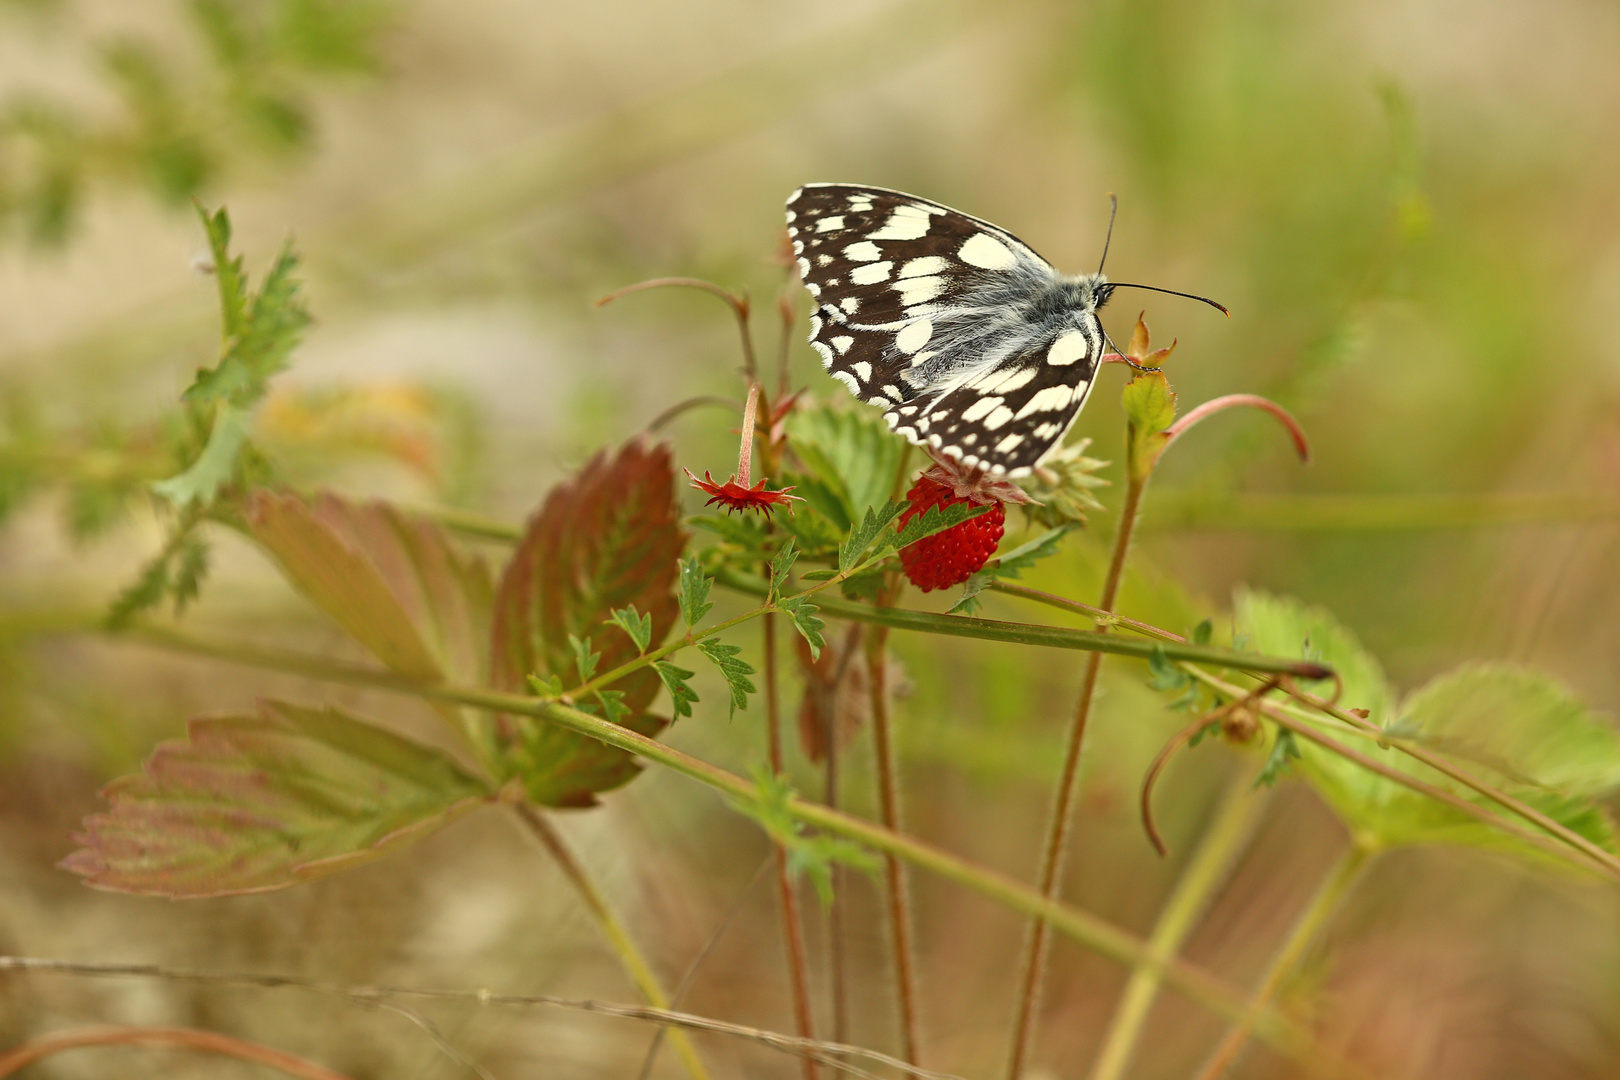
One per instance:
(970, 343)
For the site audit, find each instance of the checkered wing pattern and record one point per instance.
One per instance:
(969, 341)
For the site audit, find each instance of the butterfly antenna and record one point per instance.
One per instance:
(1113, 209)
(1190, 296)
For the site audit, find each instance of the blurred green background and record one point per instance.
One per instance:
(1409, 206)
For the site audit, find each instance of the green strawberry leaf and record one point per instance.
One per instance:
(246, 804)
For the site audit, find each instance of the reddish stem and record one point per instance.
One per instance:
(905, 976)
(211, 1042)
(792, 919)
(1232, 401)
(745, 451)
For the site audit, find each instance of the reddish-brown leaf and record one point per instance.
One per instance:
(391, 579)
(252, 803)
(605, 539)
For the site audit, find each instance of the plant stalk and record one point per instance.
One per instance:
(612, 930)
(900, 929)
(792, 918)
(1089, 930)
(1223, 843)
(1306, 928)
(1057, 834)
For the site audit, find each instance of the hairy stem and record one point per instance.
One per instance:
(792, 918)
(612, 930)
(877, 658)
(211, 1042)
(1306, 928)
(1224, 841)
(1057, 833)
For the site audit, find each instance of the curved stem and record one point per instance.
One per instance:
(211, 1042)
(737, 302)
(1057, 833)
(1224, 841)
(1306, 928)
(615, 932)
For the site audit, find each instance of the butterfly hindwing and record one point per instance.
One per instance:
(1007, 417)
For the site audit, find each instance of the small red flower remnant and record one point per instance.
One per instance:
(735, 496)
(950, 557)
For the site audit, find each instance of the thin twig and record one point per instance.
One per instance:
(824, 1052)
(446, 1047)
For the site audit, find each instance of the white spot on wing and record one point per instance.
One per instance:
(984, 250)
(871, 273)
(1046, 431)
(903, 225)
(922, 358)
(821, 260)
(998, 418)
(907, 410)
(863, 371)
(998, 383)
(848, 380)
(919, 290)
(850, 304)
(842, 343)
(829, 224)
(928, 264)
(1068, 348)
(981, 408)
(1009, 443)
(826, 352)
(815, 325)
(894, 392)
(914, 336)
(1051, 399)
(865, 251)
(878, 401)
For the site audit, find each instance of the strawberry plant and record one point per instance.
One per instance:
(556, 663)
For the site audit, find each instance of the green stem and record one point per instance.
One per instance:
(1562, 839)
(1057, 833)
(1106, 618)
(1306, 928)
(1095, 933)
(613, 931)
(1223, 842)
(1054, 637)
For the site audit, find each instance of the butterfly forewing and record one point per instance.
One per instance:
(929, 313)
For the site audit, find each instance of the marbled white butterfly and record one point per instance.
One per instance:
(970, 342)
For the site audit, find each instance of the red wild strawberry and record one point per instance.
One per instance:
(950, 557)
